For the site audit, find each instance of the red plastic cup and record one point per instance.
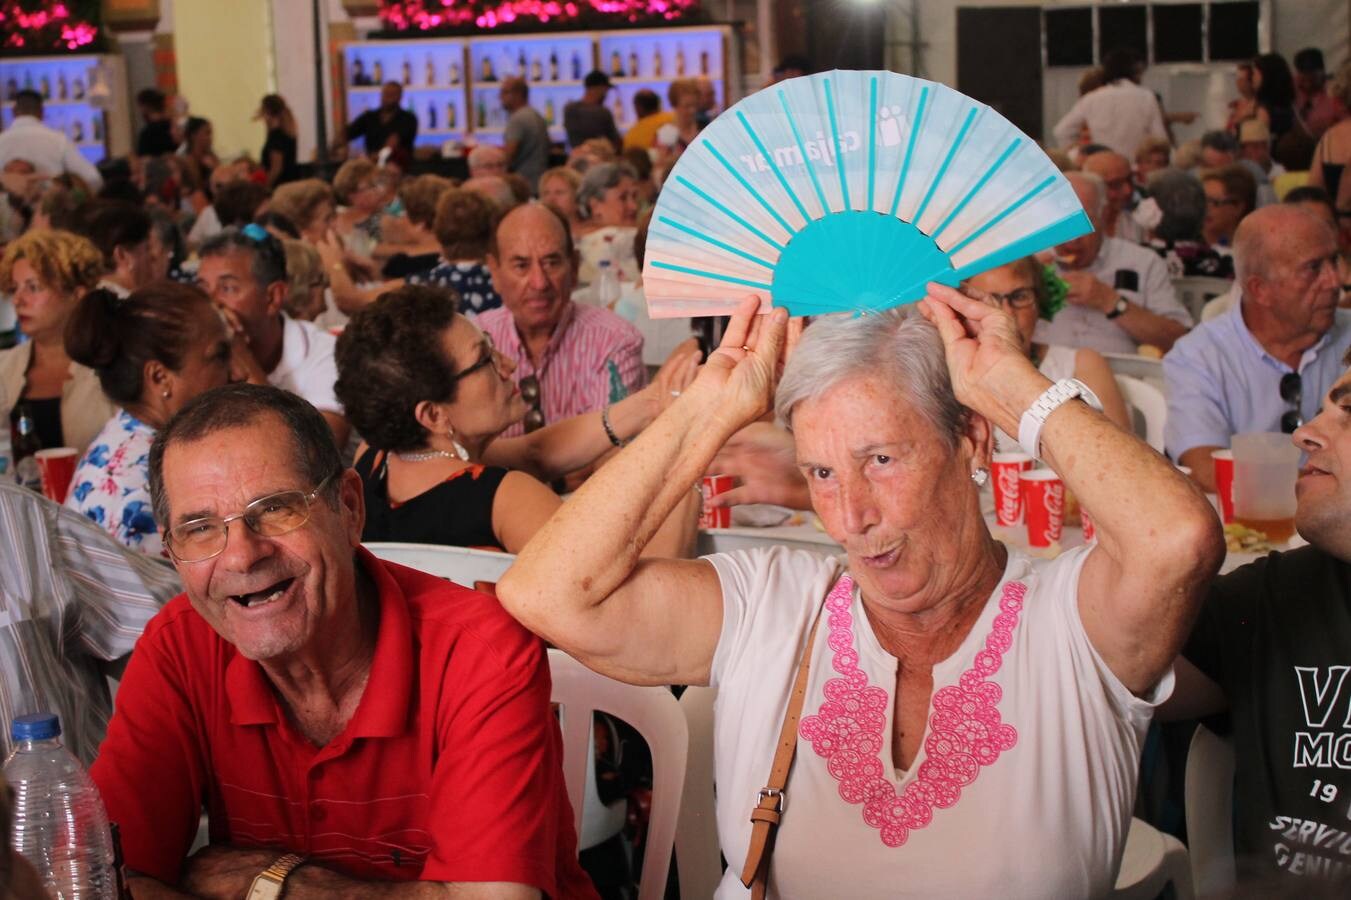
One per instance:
(1008, 504)
(1224, 482)
(719, 516)
(1043, 506)
(1090, 532)
(57, 467)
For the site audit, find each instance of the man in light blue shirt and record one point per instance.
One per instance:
(1225, 377)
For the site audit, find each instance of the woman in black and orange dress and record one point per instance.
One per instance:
(430, 395)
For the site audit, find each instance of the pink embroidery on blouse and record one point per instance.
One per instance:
(965, 731)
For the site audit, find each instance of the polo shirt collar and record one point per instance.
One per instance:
(386, 703)
(295, 345)
(1248, 338)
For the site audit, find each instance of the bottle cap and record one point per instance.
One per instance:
(35, 727)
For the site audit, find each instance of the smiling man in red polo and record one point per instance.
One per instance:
(352, 727)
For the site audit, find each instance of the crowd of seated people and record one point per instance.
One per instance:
(262, 367)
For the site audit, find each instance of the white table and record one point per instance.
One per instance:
(806, 536)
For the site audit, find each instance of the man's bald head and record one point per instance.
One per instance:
(1115, 172)
(1090, 190)
(1268, 236)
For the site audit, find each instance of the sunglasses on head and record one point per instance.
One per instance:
(1292, 392)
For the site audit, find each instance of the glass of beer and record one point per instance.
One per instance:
(1265, 468)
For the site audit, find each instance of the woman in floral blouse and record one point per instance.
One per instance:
(153, 352)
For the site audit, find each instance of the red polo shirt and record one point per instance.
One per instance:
(450, 769)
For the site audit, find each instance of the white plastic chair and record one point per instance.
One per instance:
(698, 856)
(1145, 368)
(459, 564)
(1194, 292)
(1220, 305)
(655, 714)
(1149, 409)
(1150, 861)
(1209, 797)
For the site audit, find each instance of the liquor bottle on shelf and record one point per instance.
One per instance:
(62, 90)
(553, 66)
(703, 62)
(358, 76)
(407, 72)
(77, 89)
(77, 131)
(450, 115)
(536, 70)
(656, 62)
(520, 63)
(616, 64)
(549, 111)
(378, 73)
(431, 116)
(454, 71)
(45, 86)
(482, 115)
(619, 108)
(680, 62)
(431, 71)
(633, 63)
(98, 126)
(488, 73)
(11, 88)
(576, 66)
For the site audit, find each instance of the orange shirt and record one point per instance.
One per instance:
(643, 134)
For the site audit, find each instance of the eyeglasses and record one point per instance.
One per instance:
(530, 393)
(488, 357)
(1021, 298)
(1292, 391)
(1221, 201)
(271, 516)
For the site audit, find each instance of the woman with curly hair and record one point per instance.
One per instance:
(47, 272)
(430, 394)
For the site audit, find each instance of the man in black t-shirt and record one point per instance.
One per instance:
(157, 136)
(389, 125)
(1273, 646)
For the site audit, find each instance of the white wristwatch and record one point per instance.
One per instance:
(1066, 389)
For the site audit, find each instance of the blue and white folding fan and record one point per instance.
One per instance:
(849, 191)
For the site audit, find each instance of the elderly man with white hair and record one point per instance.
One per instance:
(1115, 172)
(1265, 364)
(485, 159)
(1120, 296)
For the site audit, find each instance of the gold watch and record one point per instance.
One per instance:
(270, 883)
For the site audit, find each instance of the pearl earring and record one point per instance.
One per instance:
(980, 476)
(164, 394)
(459, 448)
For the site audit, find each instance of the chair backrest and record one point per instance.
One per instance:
(1146, 368)
(1196, 291)
(698, 857)
(656, 715)
(1209, 797)
(1149, 409)
(459, 564)
(1219, 306)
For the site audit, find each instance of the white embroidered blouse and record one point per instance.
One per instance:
(1024, 781)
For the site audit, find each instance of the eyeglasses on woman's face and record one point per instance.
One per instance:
(1016, 299)
(488, 356)
(276, 514)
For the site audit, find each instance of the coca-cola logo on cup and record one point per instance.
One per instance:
(1010, 500)
(1055, 509)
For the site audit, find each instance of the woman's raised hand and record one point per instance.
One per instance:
(675, 375)
(982, 346)
(739, 378)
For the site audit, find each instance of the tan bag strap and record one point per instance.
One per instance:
(770, 803)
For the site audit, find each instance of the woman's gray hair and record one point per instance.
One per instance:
(1182, 200)
(897, 345)
(598, 179)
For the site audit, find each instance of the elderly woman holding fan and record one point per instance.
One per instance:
(957, 702)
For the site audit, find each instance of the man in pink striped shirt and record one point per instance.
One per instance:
(570, 358)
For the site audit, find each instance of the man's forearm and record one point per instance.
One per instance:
(1146, 327)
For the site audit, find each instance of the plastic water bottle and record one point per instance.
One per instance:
(26, 471)
(607, 286)
(60, 825)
